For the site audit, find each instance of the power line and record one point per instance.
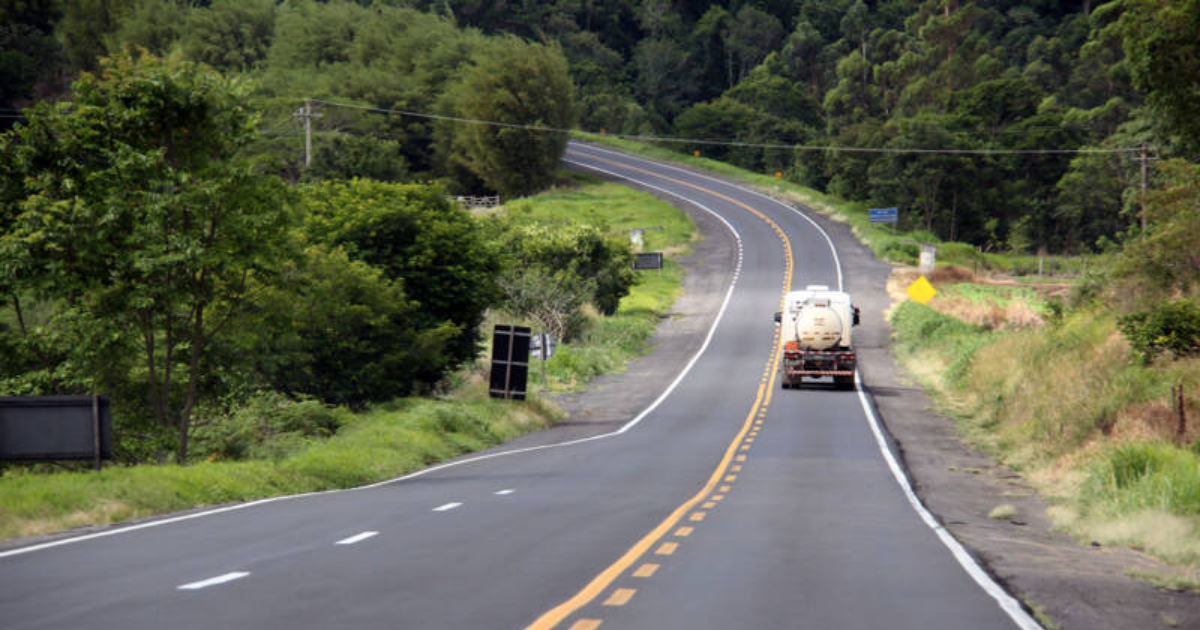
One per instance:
(735, 143)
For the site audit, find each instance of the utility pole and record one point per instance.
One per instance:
(1145, 176)
(307, 114)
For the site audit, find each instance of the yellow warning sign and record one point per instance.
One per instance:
(921, 291)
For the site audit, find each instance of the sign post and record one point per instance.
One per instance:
(885, 215)
(541, 346)
(648, 260)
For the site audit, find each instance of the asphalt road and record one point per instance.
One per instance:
(732, 504)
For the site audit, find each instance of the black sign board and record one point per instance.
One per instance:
(45, 428)
(648, 260)
(510, 361)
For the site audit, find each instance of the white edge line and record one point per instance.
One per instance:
(504, 492)
(1007, 602)
(447, 507)
(833, 250)
(632, 423)
(213, 581)
(356, 538)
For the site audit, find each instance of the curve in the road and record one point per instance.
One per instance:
(554, 616)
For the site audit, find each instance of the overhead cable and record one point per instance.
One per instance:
(733, 143)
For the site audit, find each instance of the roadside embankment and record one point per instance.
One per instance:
(1106, 438)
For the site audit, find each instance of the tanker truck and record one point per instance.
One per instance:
(816, 334)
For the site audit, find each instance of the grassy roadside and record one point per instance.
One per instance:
(388, 440)
(607, 344)
(1062, 402)
(893, 246)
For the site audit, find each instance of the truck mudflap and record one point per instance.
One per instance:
(820, 372)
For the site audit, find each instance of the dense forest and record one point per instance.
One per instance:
(164, 236)
(1042, 109)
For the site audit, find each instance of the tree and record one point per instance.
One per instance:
(513, 83)
(346, 333)
(1162, 46)
(232, 35)
(140, 218)
(421, 240)
(1168, 258)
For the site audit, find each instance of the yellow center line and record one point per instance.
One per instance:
(708, 505)
(684, 532)
(697, 516)
(605, 578)
(723, 489)
(586, 624)
(718, 497)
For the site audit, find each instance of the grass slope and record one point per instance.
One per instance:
(1064, 404)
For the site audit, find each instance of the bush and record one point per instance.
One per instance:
(268, 425)
(419, 239)
(353, 336)
(1171, 327)
(1141, 476)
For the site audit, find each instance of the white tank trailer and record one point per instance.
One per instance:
(817, 327)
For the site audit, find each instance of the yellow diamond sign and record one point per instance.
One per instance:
(921, 291)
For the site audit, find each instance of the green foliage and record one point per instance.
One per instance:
(349, 156)
(1166, 258)
(573, 253)
(267, 426)
(346, 334)
(1161, 39)
(419, 239)
(1133, 477)
(383, 443)
(230, 35)
(517, 84)
(1169, 327)
(132, 212)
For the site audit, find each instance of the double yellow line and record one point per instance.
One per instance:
(601, 582)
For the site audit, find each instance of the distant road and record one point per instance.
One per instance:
(732, 504)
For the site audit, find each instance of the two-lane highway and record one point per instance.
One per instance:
(729, 504)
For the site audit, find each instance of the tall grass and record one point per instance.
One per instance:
(1066, 404)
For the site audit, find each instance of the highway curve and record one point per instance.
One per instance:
(730, 504)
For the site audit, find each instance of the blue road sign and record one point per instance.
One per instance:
(884, 215)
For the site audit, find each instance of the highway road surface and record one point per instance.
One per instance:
(729, 504)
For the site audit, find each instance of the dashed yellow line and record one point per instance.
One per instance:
(718, 497)
(586, 624)
(708, 505)
(697, 516)
(684, 531)
(620, 597)
(646, 570)
(605, 578)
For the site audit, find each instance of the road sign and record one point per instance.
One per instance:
(921, 291)
(47, 428)
(541, 346)
(649, 260)
(510, 362)
(884, 215)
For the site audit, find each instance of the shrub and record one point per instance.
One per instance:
(1171, 327)
(267, 425)
(353, 336)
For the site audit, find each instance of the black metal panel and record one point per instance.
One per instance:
(40, 428)
(648, 260)
(510, 362)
